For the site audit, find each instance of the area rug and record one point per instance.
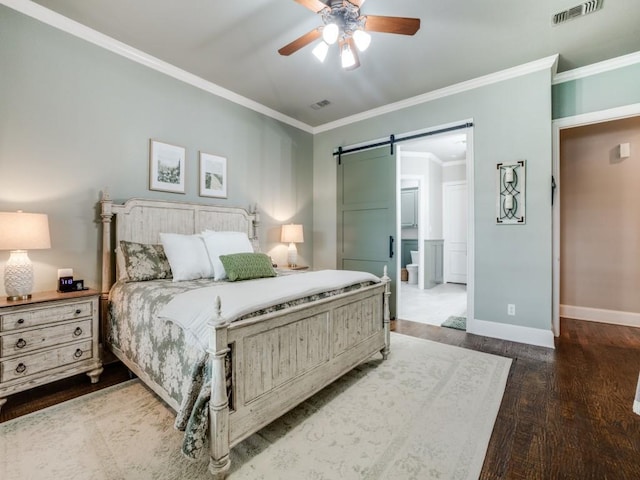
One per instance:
(425, 413)
(459, 323)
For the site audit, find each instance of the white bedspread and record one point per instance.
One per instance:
(193, 309)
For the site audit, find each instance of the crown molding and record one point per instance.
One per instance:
(76, 29)
(595, 68)
(507, 74)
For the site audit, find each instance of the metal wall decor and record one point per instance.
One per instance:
(510, 200)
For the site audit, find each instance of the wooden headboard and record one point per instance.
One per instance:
(139, 220)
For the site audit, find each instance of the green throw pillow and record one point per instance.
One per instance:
(245, 266)
(144, 261)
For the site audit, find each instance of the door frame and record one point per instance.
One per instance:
(470, 214)
(422, 196)
(600, 116)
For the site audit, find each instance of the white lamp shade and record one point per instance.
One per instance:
(362, 39)
(330, 33)
(292, 233)
(347, 57)
(24, 231)
(320, 51)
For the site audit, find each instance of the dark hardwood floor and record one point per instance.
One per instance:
(47, 395)
(566, 413)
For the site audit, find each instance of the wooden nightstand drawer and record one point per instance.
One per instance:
(41, 316)
(22, 342)
(40, 362)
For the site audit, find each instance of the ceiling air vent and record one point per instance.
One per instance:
(577, 11)
(320, 104)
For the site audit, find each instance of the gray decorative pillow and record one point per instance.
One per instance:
(245, 266)
(145, 262)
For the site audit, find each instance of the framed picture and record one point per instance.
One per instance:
(166, 167)
(213, 176)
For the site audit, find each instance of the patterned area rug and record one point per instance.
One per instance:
(425, 413)
(459, 323)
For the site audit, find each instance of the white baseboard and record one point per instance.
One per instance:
(514, 333)
(614, 317)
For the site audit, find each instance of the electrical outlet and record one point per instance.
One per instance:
(511, 309)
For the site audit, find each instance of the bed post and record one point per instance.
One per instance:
(255, 222)
(387, 315)
(106, 214)
(219, 460)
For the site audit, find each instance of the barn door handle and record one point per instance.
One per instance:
(391, 240)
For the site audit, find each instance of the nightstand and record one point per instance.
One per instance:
(285, 270)
(48, 337)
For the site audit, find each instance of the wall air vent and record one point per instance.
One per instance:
(577, 11)
(320, 104)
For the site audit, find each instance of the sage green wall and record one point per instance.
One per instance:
(512, 121)
(75, 118)
(615, 88)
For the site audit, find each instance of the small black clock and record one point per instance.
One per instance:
(66, 284)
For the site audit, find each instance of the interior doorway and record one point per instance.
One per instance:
(434, 167)
(604, 311)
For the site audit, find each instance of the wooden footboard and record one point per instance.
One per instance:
(279, 360)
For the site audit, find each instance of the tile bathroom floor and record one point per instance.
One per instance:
(434, 305)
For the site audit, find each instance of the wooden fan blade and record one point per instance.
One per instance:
(300, 42)
(313, 5)
(401, 25)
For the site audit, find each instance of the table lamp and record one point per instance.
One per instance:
(292, 234)
(20, 232)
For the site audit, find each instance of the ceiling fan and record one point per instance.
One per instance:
(344, 24)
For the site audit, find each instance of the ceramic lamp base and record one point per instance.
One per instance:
(18, 276)
(292, 255)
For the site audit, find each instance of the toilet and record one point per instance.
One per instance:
(412, 268)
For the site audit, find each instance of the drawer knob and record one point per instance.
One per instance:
(78, 353)
(21, 368)
(77, 332)
(21, 343)
(20, 321)
(78, 311)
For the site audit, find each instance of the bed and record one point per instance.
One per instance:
(250, 368)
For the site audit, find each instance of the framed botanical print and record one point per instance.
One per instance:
(166, 167)
(213, 176)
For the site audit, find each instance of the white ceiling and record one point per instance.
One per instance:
(447, 147)
(234, 44)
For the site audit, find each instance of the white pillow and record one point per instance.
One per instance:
(224, 243)
(187, 256)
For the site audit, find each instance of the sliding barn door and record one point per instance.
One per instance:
(367, 214)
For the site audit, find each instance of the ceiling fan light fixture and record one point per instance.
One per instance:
(330, 33)
(362, 39)
(347, 58)
(320, 51)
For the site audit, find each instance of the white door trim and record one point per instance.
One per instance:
(423, 219)
(557, 125)
(471, 245)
